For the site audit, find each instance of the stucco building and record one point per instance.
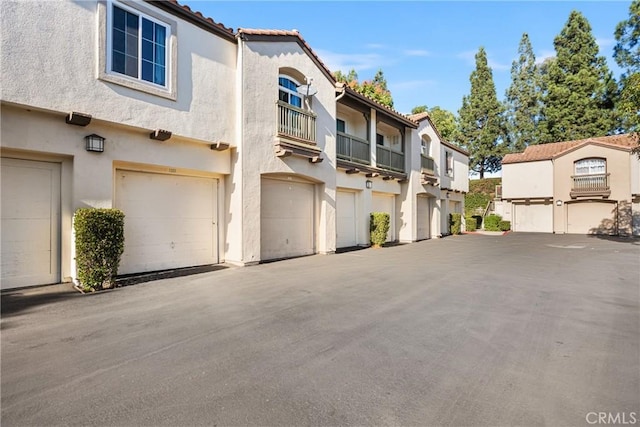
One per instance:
(218, 145)
(589, 186)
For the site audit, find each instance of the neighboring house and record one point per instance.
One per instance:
(589, 186)
(219, 146)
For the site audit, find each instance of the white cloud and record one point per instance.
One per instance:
(410, 85)
(417, 52)
(375, 46)
(497, 66)
(346, 61)
(604, 42)
(544, 55)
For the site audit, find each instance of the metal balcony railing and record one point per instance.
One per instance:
(353, 149)
(296, 123)
(389, 159)
(427, 164)
(590, 183)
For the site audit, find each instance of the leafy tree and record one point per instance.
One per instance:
(444, 120)
(481, 121)
(580, 91)
(419, 109)
(375, 89)
(627, 55)
(524, 99)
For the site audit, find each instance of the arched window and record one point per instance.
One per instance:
(593, 166)
(425, 146)
(288, 91)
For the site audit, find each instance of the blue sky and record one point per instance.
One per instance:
(425, 48)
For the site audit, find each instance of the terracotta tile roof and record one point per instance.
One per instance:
(196, 17)
(419, 116)
(534, 153)
(425, 116)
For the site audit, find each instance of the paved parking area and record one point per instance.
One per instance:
(522, 329)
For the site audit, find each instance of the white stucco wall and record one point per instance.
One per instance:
(527, 180)
(261, 63)
(50, 60)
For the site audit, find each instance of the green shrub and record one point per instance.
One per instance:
(475, 202)
(478, 219)
(505, 225)
(492, 222)
(471, 224)
(455, 221)
(379, 227)
(99, 246)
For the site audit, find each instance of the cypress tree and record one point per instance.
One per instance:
(481, 120)
(524, 99)
(580, 90)
(627, 55)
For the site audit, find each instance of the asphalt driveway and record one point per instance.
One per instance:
(522, 329)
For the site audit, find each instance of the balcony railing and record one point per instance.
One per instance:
(296, 123)
(597, 184)
(389, 159)
(428, 165)
(353, 149)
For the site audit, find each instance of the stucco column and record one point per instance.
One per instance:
(372, 137)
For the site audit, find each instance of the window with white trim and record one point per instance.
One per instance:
(449, 163)
(137, 45)
(592, 166)
(425, 146)
(288, 91)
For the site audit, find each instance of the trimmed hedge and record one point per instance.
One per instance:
(505, 225)
(471, 223)
(99, 246)
(379, 227)
(455, 221)
(492, 222)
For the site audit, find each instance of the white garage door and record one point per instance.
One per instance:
(423, 217)
(30, 223)
(533, 218)
(346, 219)
(591, 218)
(286, 219)
(382, 202)
(170, 221)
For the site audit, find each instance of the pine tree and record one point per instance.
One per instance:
(580, 90)
(481, 121)
(627, 55)
(524, 99)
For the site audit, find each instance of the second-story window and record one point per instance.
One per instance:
(138, 46)
(288, 91)
(341, 126)
(425, 146)
(590, 167)
(449, 163)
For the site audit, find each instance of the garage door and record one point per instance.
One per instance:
(591, 218)
(30, 223)
(533, 218)
(382, 202)
(346, 219)
(286, 219)
(170, 221)
(423, 218)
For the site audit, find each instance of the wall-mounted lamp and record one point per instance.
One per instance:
(78, 119)
(94, 143)
(369, 184)
(558, 202)
(160, 135)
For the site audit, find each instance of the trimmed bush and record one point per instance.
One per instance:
(379, 227)
(455, 221)
(492, 222)
(470, 223)
(505, 225)
(99, 246)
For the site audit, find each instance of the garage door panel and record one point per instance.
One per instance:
(533, 218)
(346, 225)
(286, 219)
(30, 223)
(170, 221)
(423, 218)
(591, 218)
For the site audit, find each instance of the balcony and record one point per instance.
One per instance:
(389, 159)
(428, 165)
(590, 185)
(353, 149)
(296, 123)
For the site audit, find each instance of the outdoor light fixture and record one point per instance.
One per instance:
(369, 184)
(558, 202)
(78, 119)
(160, 135)
(94, 143)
